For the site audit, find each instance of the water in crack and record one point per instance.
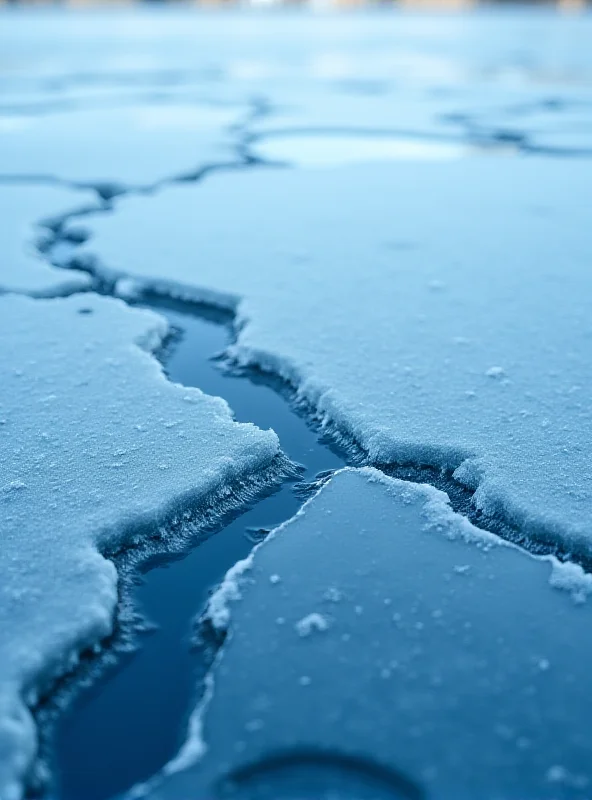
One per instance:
(132, 720)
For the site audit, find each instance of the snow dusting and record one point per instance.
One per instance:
(355, 325)
(99, 451)
(390, 213)
(439, 682)
(99, 147)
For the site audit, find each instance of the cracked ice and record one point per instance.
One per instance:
(395, 212)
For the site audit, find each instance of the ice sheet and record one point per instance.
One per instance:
(380, 647)
(98, 451)
(29, 212)
(136, 145)
(433, 313)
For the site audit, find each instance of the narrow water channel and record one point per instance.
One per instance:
(132, 721)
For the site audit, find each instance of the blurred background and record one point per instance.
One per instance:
(338, 4)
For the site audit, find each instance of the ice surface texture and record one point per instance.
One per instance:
(434, 313)
(26, 210)
(136, 44)
(98, 450)
(382, 647)
(559, 122)
(114, 148)
(425, 123)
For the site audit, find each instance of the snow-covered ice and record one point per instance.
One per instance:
(132, 146)
(29, 212)
(450, 668)
(98, 451)
(434, 313)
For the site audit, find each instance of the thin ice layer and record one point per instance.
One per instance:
(98, 450)
(381, 647)
(434, 313)
(136, 145)
(26, 210)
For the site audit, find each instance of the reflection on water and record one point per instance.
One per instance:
(132, 721)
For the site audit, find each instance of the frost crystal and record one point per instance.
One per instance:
(312, 622)
(377, 359)
(92, 484)
(461, 651)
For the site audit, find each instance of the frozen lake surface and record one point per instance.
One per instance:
(129, 719)
(379, 221)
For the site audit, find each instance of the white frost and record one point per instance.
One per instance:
(311, 623)
(88, 422)
(218, 609)
(337, 299)
(497, 645)
(572, 578)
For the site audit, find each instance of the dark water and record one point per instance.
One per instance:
(132, 721)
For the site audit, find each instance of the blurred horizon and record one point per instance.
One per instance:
(339, 5)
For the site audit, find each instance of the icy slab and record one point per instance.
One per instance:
(380, 647)
(28, 209)
(98, 451)
(434, 313)
(136, 145)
